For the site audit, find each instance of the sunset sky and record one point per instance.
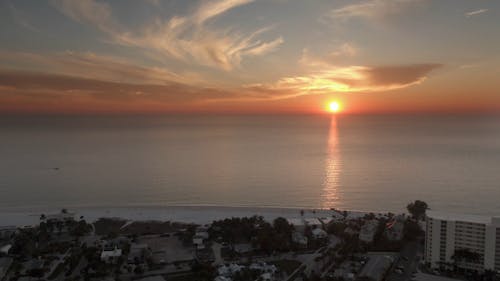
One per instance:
(244, 56)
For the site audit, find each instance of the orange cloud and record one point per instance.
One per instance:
(92, 66)
(350, 79)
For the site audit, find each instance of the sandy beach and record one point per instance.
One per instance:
(187, 214)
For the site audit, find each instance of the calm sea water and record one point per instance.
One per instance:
(372, 163)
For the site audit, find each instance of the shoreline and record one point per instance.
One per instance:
(185, 214)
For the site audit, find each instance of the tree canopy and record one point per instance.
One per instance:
(417, 209)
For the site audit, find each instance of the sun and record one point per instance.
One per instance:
(334, 107)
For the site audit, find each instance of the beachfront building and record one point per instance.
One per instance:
(466, 241)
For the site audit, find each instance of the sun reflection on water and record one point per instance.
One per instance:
(333, 167)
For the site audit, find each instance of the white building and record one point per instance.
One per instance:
(447, 233)
(111, 256)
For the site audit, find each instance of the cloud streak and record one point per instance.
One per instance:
(475, 13)
(308, 58)
(373, 9)
(24, 91)
(37, 92)
(190, 38)
(93, 66)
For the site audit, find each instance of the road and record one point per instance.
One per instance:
(410, 251)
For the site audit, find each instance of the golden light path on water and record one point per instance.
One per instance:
(333, 168)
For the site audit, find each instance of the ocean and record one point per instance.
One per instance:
(366, 163)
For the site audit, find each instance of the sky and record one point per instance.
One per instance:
(249, 56)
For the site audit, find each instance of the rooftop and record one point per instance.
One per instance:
(376, 267)
(112, 253)
(460, 217)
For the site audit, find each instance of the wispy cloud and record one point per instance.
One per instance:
(91, 12)
(350, 79)
(190, 38)
(476, 12)
(373, 9)
(20, 18)
(212, 9)
(308, 57)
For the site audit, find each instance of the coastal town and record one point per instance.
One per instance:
(309, 246)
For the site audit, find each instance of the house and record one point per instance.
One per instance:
(5, 249)
(202, 233)
(243, 248)
(299, 238)
(6, 232)
(229, 270)
(60, 217)
(313, 222)
(199, 237)
(5, 264)
(300, 223)
(198, 242)
(111, 256)
(394, 229)
(319, 233)
(368, 230)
